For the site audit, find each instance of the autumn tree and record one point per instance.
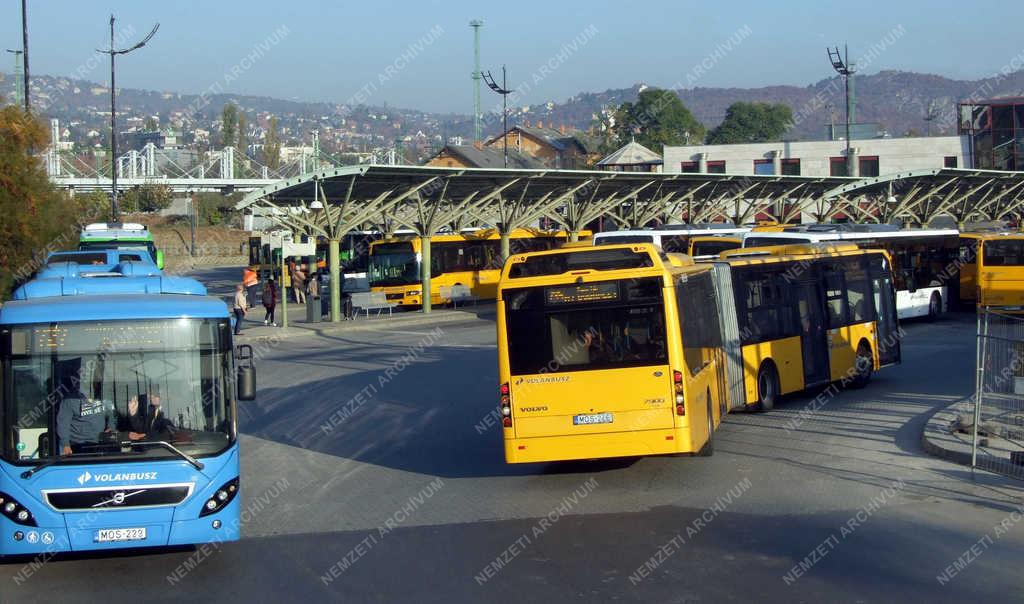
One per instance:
(37, 217)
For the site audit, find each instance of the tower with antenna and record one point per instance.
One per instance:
(476, 24)
(19, 75)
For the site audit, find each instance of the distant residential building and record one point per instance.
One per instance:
(994, 130)
(555, 148)
(138, 139)
(631, 157)
(872, 157)
(479, 156)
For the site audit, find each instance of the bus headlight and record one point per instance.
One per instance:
(15, 512)
(221, 498)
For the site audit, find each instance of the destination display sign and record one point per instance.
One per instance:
(581, 293)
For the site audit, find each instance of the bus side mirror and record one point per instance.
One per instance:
(160, 259)
(246, 374)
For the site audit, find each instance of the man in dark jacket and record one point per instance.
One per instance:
(148, 421)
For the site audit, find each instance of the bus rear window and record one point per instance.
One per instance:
(78, 258)
(548, 334)
(1005, 252)
(597, 259)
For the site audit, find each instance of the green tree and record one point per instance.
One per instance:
(272, 147)
(215, 209)
(94, 204)
(37, 217)
(228, 125)
(151, 124)
(241, 146)
(752, 123)
(147, 198)
(658, 118)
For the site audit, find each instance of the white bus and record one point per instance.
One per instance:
(701, 241)
(921, 258)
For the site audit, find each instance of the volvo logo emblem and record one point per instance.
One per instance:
(118, 498)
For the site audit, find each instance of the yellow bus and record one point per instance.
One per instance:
(470, 258)
(805, 315)
(992, 269)
(610, 351)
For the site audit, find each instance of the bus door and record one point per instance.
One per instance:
(813, 340)
(888, 329)
(969, 248)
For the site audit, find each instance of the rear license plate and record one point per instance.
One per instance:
(592, 418)
(120, 534)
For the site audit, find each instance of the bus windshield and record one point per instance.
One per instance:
(1003, 252)
(619, 239)
(713, 248)
(767, 241)
(579, 327)
(90, 389)
(393, 264)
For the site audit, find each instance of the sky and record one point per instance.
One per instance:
(419, 54)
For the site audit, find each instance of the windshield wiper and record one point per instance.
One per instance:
(162, 443)
(51, 462)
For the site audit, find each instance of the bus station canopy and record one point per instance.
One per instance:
(428, 200)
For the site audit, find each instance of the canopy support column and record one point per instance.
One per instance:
(425, 273)
(334, 265)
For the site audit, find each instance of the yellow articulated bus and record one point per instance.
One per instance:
(992, 270)
(610, 351)
(471, 259)
(805, 315)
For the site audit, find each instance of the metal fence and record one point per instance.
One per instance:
(997, 424)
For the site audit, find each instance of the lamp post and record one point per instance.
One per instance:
(504, 92)
(841, 63)
(115, 210)
(24, 51)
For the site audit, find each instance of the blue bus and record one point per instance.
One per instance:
(118, 413)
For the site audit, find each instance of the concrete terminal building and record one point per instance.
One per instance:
(872, 157)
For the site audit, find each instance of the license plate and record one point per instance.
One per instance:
(120, 534)
(588, 419)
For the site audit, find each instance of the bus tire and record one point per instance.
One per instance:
(767, 387)
(934, 306)
(864, 365)
(709, 447)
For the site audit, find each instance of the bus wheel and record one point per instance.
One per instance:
(934, 306)
(709, 447)
(767, 387)
(863, 365)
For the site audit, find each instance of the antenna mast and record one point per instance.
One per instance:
(476, 24)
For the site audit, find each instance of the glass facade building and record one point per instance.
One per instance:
(996, 131)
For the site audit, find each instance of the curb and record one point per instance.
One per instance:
(937, 440)
(329, 328)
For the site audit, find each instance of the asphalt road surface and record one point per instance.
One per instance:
(372, 472)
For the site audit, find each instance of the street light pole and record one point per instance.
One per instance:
(24, 52)
(504, 91)
(115, 210)
(841, 63)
